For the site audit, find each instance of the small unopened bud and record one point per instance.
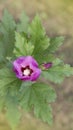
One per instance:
(46, 65)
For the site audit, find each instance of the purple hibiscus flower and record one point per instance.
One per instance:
(26, 68)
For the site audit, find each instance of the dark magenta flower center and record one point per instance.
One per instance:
(26, 71)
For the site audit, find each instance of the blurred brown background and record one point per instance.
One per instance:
(57, 18)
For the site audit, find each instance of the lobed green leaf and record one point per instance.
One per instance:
(58, 73)
(55, 43)
(38, 36)
(24, 23)
(13, 113)
(44, 112)
(22, 47)
(8, 82)
(37, 96)
(7, 28)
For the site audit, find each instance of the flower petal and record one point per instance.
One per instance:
(35, 75)
(29, 60)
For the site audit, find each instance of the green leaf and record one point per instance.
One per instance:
(55, 43)
(58, 73)
(37, 96)
(7, 28)
(12, 112)
(8, 82)
(44, 112)
(38, 36)
(57, 61)
(9, 88)
(24, 23)
(44, 58)
(7, 22)
(24, 95)
(44, 92)
(22, 47)
(9, 40)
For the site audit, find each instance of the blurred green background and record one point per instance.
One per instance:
(57, 18)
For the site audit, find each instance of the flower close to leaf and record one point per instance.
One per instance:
(46, 65)
(26, 68)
